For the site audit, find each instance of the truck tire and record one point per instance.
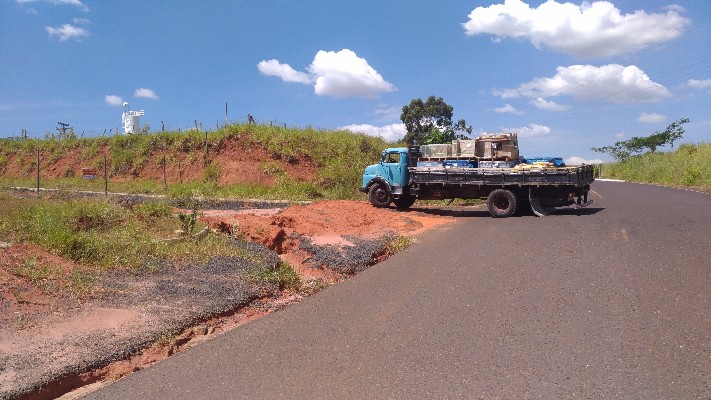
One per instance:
(501, 203)
(404, 202)
(379, 195)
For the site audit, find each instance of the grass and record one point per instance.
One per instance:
(689, 165)
(283, 276)
(339, 157)
(103, 235)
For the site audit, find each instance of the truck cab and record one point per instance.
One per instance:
(387, 180)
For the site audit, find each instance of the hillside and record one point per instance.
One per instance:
(242, 161)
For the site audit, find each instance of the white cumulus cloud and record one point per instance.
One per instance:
(391, 133)
(575, 160)
(145, 93)
(544, 104)
(700, 84)
(337, 74)
(76, 3)
(529, 131)
(344, 74)
(612, 83)
(66, 32)
(651, 118)
(508, 109)
(589, 30)
(113, 100)
(283, 71)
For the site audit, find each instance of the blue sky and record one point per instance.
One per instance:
(566, 76)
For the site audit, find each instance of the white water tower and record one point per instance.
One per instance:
(131, 123)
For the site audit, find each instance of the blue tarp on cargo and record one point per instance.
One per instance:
(448, 163)
(557, 161)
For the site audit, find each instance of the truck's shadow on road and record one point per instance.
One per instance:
(451, 212)
(483, 213)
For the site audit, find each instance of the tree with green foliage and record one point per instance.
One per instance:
(431, 122)
(636, 146)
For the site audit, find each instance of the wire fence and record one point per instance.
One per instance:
(102, 172)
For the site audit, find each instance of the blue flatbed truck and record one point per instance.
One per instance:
(398, 179)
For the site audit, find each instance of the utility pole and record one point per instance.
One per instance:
(62, 128)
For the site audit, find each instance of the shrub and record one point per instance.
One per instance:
(212, 173)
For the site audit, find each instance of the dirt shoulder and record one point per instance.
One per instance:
(52, 342)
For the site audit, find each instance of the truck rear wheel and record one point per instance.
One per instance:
(379, 195)
(501, 203)
(404, 202)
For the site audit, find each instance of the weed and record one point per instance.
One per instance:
(283, 276)
(188, 221)
(312, 286)
(166, 338)
(398, 244)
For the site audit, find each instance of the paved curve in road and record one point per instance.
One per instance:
(610, 301)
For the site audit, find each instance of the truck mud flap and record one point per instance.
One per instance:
(536, 206)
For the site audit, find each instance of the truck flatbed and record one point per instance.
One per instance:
(576, 175)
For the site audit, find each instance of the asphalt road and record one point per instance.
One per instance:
(613, 301)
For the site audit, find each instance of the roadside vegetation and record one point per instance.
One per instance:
(689, 165)
(339, 157)
(638, 160)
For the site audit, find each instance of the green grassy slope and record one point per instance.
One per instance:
(689, 165)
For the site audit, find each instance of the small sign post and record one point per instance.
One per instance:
(88, 173)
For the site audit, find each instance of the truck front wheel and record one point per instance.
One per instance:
(379, 195)
(501, 203)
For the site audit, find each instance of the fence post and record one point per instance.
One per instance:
(205, 147)
(38, 170)
(165, 182)
(106, 179)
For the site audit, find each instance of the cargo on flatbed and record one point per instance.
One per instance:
(405, 175)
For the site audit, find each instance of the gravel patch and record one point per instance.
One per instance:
(346, 259)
